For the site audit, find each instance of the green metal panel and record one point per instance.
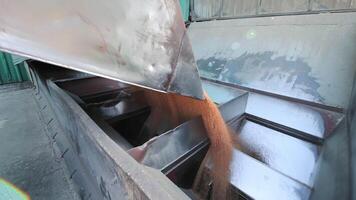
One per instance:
(10, 71)
(185, 5)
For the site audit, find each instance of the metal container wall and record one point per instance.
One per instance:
(306, 57)
(12, 69)
(207, 9)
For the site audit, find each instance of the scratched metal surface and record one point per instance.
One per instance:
(308, 57)
(141, 42)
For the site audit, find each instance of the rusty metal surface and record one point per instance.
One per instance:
(307, 57)
(142, 43)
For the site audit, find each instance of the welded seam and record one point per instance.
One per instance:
(172, 75)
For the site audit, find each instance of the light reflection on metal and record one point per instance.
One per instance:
(142, 43)
(293, 56)
(286, 154)
(251, 34)
(261, 182)
(162, 150)
(310, 120)
(305, 119)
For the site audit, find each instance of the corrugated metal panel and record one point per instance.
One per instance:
(330, 4)
(10, 72)
(239, 8)
(278, 6)
(185, 5)
(17, 59)
(207, 8)
(210, 9)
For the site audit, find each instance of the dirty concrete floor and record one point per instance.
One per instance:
(26, 155)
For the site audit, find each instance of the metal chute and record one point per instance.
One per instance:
(139, 42)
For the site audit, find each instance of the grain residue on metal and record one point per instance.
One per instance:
(182, 109)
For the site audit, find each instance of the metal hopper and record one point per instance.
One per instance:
(139, 42)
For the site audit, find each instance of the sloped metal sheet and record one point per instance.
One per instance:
(137, 42)
(307, 57)
(261, 182)
(307, 120)
(290, 156)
